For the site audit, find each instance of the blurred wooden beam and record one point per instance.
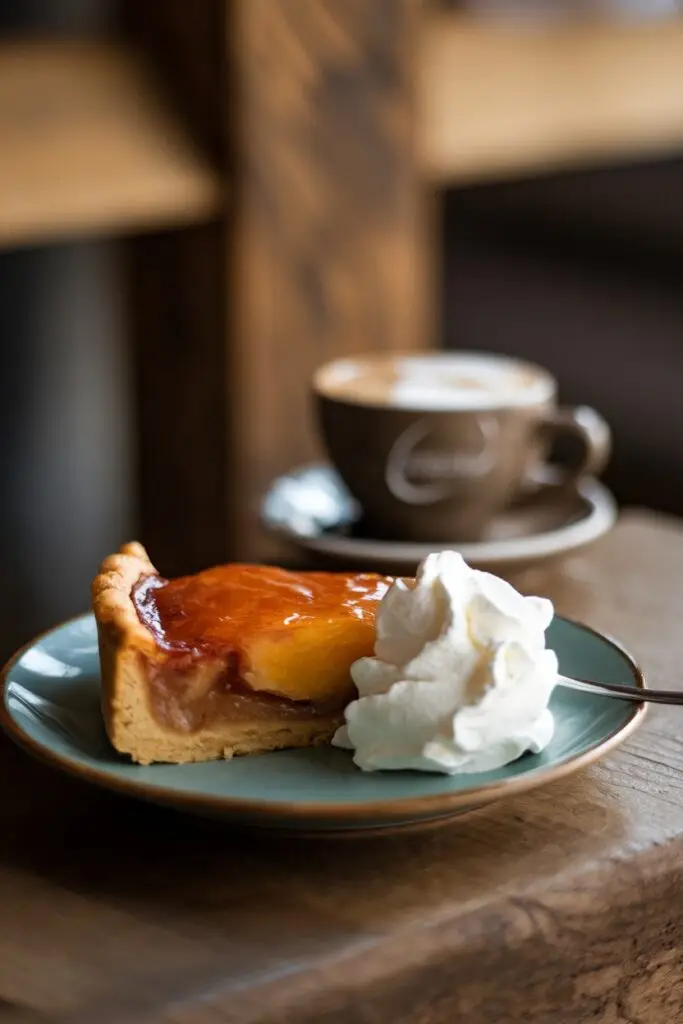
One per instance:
(176, 285)
(88, 146)
(175, 282)
(330, 251)
(310, 106)
(498, 99)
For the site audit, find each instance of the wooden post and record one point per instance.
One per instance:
(328, 242)
(324, 231)
(177, 298)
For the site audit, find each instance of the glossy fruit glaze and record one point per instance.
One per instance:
(216, 610)
(260, 630)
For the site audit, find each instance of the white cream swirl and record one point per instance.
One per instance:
(461, 677)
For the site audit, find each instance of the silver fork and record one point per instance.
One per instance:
(625, 692)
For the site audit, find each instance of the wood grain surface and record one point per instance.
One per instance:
(560, 907)
(329, 248)
(307, 108)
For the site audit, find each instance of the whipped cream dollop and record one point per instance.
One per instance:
(461, 677)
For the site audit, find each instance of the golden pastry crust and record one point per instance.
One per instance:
(111, 595)
(128, 650)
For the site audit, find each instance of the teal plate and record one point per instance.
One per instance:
(51, 708)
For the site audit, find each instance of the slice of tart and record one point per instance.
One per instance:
(238, 659)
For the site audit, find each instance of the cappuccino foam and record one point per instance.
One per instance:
(448, 381)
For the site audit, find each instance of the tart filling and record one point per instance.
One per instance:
(251, 641)
(239, 659)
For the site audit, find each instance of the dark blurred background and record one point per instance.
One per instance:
(581, 272)
(64, 409)
(577, 269)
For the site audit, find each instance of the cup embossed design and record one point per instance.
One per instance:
(420, 475)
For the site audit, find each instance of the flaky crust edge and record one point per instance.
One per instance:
(122, 640)
(127, 650)
(111, 595)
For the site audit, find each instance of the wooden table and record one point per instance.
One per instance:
(559, 907)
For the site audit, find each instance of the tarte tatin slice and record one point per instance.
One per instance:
(238, 659)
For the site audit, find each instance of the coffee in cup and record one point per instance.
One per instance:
(434, 445)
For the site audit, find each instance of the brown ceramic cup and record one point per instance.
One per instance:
(433, 446)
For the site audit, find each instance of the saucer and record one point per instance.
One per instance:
(311, 508)
(51, 707)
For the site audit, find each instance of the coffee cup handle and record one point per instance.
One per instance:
(589, 428)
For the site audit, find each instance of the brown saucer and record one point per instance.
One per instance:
(311, 508)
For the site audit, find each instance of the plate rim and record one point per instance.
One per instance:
(445, 805)
(601, 516)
